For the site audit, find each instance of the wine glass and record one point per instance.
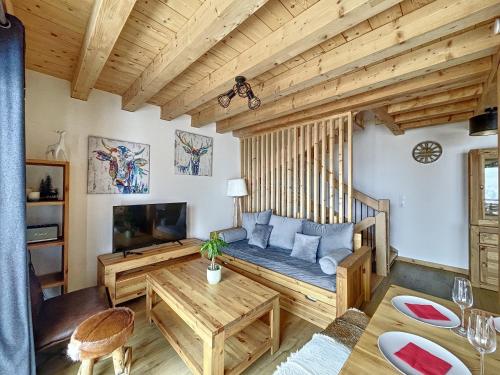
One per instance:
(462, 296)
(481, 333)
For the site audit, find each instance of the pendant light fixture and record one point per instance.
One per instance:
(243, 89)
(484, 124)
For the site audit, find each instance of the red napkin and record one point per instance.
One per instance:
(422, 361)
(426, 312)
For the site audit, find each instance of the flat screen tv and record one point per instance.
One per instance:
(143, 225)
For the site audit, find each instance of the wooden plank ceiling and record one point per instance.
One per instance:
(414, 63)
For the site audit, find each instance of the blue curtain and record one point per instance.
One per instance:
(16, 338)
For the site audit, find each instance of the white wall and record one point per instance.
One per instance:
(49, 107)
(429, 210)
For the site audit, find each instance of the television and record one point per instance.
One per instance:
(144, 225)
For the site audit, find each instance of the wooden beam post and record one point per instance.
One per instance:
(105, 25)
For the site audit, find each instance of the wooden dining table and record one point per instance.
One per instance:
(367, 359)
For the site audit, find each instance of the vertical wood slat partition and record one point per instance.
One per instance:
(294, 171)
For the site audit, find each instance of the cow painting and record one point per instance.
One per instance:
(118, 167)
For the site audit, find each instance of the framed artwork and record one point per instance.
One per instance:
(117, 167)
(193, 154)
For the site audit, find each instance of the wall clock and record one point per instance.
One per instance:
(427, 152)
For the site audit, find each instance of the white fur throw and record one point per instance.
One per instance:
(322, 355)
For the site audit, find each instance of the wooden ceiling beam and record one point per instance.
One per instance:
(452, 51)
(489, 86)
(212, 22)
(446, 79)
(441, 98)
(438, 120)
(103, 29)
(321, 21)
(431, 22)
(387, 120)
(438, 111)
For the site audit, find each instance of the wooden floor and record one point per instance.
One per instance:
(153, 355)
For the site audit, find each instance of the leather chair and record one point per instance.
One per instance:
(55, 319)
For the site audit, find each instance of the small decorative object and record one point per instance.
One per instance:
(58, 150)
(117, 167)
(236, 188)
(34, 196)
(28, 191)
(243, 89)
(212, 249)
(193, 154)
(427, 152)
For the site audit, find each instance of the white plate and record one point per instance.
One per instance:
(496, 321)
(399, 303)
(391, 342)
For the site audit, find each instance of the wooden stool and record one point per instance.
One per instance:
(99, 336)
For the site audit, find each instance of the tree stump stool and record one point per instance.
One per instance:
(99, 336)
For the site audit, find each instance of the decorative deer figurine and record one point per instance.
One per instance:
(195, 153)
(59, 148)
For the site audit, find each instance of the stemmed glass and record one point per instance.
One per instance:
(481, 333)
(462, 296)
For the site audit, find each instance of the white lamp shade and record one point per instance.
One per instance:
(237, 188)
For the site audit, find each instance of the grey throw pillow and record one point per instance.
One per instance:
(284, 229)
(332, 259)
(333, 236)
(260, 235)
(305, 247)
(233, 234)
(249, 219)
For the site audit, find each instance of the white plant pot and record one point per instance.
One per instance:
(214, 276)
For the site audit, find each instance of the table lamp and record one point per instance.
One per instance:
(236, 188)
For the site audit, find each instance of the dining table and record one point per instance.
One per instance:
(366, 357)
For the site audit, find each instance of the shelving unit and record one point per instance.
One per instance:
(59, 278)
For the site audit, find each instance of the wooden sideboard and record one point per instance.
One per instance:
(125, 277)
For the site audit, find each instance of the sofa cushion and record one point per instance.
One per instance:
(249, 219)
(333, 236)
(279, 260)
(260, 235)
(332, 259)
(233, 234)
(284, 229)
(305, 247)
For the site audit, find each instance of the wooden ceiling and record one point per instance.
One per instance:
(414, 63)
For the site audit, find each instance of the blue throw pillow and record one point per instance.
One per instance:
(284, 229)
(233, 235)
(332, 259)
(260, 235)
(333, 236)
(249, 219)
(305, 247)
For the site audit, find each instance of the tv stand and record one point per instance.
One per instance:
(125, 277)
(126, 252)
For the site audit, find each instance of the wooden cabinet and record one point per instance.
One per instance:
(483, 218)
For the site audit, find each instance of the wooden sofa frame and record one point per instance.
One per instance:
(314, 304)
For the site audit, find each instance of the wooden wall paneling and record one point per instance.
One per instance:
(308, 172)
(262, 173)
(295, 172)
(323, 170)
(331, 185)
(249, 174)
(289, 173)
(277, 191)
(243, 165)
(341, 169)
(349, 167)
(302, 185)
(283, 173)
(273, 170)
(254, 174)
(316, 161)
(268, 171)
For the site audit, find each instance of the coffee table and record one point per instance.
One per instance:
(215, 329)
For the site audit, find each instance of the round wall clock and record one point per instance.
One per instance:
(427, 152)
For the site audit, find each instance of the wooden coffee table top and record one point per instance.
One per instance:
(218, 307)
(366, 354)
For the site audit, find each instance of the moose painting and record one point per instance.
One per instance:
(117, 167)
(193, 154)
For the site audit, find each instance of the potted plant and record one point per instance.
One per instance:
(212, 248)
